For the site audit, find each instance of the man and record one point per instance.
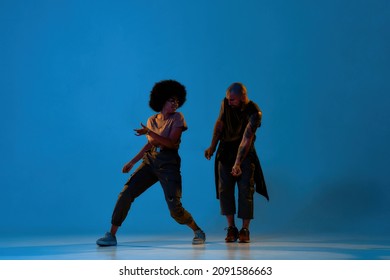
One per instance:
(236, 161)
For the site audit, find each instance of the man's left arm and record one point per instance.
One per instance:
(246, 142)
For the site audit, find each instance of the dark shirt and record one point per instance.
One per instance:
(234, 123)
(235, 120)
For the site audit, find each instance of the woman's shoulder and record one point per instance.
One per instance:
(177, 116)
(178, 119)
(153, 117)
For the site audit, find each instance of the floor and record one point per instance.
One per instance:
(157, 247)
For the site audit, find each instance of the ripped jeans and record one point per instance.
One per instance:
(163, 167)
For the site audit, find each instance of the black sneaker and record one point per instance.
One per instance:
(232, 234)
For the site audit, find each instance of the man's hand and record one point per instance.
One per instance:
(236, 170)
(209, 153)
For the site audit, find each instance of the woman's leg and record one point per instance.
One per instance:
(170, 179)
(139, 182)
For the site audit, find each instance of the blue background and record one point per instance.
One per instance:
(75, 78)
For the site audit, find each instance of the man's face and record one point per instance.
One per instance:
(234, 100)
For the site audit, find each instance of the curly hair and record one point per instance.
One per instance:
(164, 90)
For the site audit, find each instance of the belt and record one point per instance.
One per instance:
(158, 149)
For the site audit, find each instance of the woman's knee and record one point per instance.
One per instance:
(179, 214)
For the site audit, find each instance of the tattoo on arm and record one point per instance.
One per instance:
(240, 154)
(254, 121)
(245, 144)
(248, 132)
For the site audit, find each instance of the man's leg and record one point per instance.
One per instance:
(245, 198)
(227, 200)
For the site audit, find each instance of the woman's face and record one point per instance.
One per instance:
(171, 105)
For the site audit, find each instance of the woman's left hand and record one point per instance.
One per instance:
(127, 167)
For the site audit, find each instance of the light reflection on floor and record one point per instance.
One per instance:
(168, 248)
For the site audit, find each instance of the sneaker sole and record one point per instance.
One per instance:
(230, 240)
(244, 241)
(105, 244)
(198, 242)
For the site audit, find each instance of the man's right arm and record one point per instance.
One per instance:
(218, 128)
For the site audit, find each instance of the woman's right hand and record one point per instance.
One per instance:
(127, 167)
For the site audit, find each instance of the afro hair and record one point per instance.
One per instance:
(164, 90)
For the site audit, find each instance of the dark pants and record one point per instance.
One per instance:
(245, 184)
(163, 167)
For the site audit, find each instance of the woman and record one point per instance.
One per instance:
(161, 161)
